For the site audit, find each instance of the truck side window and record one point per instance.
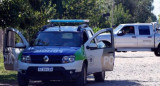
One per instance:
(128, 30)
(144, 30)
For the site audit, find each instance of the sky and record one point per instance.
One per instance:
(156, 5)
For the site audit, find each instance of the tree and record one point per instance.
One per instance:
(149, 20)
(26, 15)
(137, 8)
(120, 15)
(30, 15)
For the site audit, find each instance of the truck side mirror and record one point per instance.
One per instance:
(120, 33)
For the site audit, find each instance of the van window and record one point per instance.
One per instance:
(144, 30)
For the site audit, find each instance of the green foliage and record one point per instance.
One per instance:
(96, 29)
(149, 20)
(6, 76)
(30, 15)
(140, 10)
(120, 15)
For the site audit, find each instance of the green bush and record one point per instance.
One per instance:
(96, 29)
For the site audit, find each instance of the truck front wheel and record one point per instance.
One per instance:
(22, 81)
(81, 81)
(157, 51)
(100, 76)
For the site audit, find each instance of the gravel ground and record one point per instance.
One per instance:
(131, 69)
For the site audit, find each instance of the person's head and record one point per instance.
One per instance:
(131, 28)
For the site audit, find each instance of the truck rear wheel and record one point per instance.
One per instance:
(157, 51)
(81, 81)
(100, 76)
(22, 81)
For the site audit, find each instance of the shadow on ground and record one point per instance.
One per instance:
(114, 83)
(11, 79)
(89, 83)
(51, 83)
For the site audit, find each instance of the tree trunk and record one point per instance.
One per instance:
(1, 40)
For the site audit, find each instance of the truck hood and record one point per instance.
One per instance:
(50, 50)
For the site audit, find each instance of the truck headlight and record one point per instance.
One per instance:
(68, 59)
(26, 59)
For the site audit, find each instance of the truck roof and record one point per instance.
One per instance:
(55, 25)
(137, 24)
(62, 28)
(67, 28)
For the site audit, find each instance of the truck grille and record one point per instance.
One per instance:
(39, 59)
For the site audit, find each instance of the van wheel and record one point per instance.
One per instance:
(22, 81)
(157, 51)
(82, 79)
(100, 76)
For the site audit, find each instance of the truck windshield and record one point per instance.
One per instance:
(115, 31)
(70, 39)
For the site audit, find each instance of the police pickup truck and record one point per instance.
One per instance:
(136, 37)
(68, 53)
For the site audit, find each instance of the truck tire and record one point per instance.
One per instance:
(45, 81)
(81, 81)
(22, 81)
(99, 77)
(157, 51)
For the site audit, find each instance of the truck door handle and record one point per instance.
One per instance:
(133, 36)
(149, 36)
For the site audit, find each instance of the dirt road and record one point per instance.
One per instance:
(131, 69)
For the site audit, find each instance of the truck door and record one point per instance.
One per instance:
(146, 36)
(14, 43)
(126, 38)
(100, 54)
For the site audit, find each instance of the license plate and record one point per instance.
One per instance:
(45, 69)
